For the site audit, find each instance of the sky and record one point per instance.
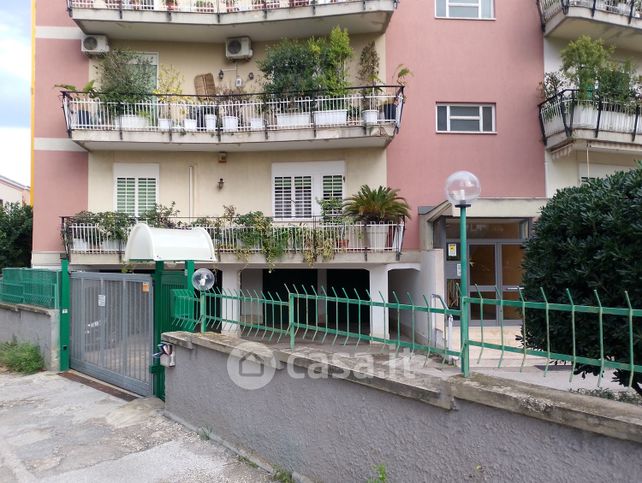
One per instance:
(15, 87)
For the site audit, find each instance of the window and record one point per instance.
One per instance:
(471, 9)
(466, 118)
(135, 188)
(297, 187)
(150, 69)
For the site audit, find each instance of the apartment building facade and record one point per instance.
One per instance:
(13, 192)
(472, 102)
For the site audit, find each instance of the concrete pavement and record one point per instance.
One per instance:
(56, 430)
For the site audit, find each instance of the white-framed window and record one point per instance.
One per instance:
(152, 68)
(468, 9)
(297, 187)
(466, 118)
(135, 188)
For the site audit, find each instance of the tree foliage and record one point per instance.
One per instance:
(125, 76)
(16, 221)
(588, 239)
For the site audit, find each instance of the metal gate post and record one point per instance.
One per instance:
(65, 316)
(156, 369)
(189, 272)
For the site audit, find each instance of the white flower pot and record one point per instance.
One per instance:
(584, 117)
(109, 246)
(370, 116)
(131, 122)
(256, 123)
(190, 125)
(377, 237)
(230, 123)
(164, 124)
(293, 120)
(335, 117)
(80, 245)
(210, 122)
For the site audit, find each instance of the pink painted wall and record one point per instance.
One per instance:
(53, 13)
(61, 181)
(499, 62)
(60, 177)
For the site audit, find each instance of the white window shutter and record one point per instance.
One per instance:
(282, 197)
(126, 195)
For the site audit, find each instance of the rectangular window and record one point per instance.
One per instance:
(468, 9)
(135, 188)
(466, 118)
(298, 187)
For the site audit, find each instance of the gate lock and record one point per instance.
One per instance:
(166, 355)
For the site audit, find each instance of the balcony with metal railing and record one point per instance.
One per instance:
(311, 241)
(362, 117)
(579, 120)
(618, 22)
(216, 20)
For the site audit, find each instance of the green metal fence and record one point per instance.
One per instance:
(308, 316)
(565, 326)
(315, 317)
(30, 286)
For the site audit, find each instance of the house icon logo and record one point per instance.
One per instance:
(251, 366)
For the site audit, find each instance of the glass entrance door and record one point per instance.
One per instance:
(495, 266)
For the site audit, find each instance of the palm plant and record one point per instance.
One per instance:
(382, 204)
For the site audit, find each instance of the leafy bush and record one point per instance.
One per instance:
(16, 221)
(24, 358)
(125, 76)
(588, 239)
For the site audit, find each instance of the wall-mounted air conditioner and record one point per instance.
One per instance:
(238, 48)
(94, 45)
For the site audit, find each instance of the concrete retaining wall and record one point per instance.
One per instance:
(337, 430)
(39, 326)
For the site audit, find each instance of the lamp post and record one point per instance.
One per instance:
(462, 188)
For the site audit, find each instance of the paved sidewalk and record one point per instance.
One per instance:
(56, 430)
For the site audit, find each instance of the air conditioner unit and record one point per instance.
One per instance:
(94, 45)
(238, 48)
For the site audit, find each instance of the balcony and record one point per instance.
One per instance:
(570, 122)
(216, 20)
(311, 241)
(618, 22)
(364, 117)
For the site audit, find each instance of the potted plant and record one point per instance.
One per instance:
(368, 75)
(231, 104)
(334, 221)
(265, 4)
(115, 226)
(126, 81)
(168, 92)
(204, 6)
(79, 230)
(376, 209)
(290, 69)
(171, 5)
(390, 107)
(83, 117)
(333, 54)
(161, 216)
(231, 6)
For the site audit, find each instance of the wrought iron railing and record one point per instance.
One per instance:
(632, 9)
(572, 109)
(218, 7)
(359, 106)
(316, 238)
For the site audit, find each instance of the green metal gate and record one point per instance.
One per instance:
(164, 283)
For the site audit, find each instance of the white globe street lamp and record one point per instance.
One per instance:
(462, 188)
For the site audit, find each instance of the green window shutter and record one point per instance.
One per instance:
(126, 195)
(146, 194)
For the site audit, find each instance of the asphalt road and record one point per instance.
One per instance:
(57, 430)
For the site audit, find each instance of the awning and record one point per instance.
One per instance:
(163, 244)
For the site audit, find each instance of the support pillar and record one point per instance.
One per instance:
(379, 322)
(230, 309)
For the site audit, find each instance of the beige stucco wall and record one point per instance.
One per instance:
(247, 176)
(10, 194)
(192, 59)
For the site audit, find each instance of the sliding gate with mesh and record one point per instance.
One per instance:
(112, 317)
